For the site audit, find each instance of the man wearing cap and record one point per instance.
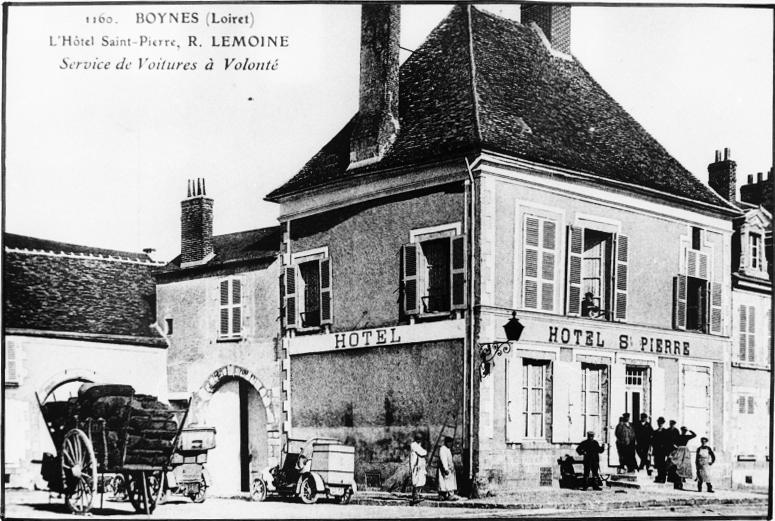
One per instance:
(591, 451)
(417, 456)
(625, 443)
(704, 459)
(643, 434)
(663, 445)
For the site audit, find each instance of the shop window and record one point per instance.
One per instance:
(230, 309)
(539, 242)
(594, 389)
(747, 334)
(433, 273)
(597, 274)
(306, 292)
(534, 374)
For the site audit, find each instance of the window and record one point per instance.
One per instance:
(747, 334)
(594, 389)
(755, 241)
(169, 326)
(696, 299)
(539, 240)
(597, 274)
(745, 404)
(533, 398)
(433, 273)
(306, 292)
(231, 309)
(696, 238)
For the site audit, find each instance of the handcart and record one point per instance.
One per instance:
(188, 475)
(109, 429)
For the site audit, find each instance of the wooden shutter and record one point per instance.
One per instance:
(224, 323)
(616, 406)
(714, 288)
(325, 291)
(290, 296)
(679, 301)
(750, 405)
(769, 336)
(281, 279)
(743, 332)
(11, 362)
(514, 405)
(458, 272)
(741, 404)
(575, 252)
(620, 293)
(751, 334)
(530, 259)
(567, 422)
(548, 241)
(410, 264)
(657, 392)
(236, 307)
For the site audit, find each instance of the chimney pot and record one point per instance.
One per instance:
(718, 156)
(726, 155)
(759, 177)
(750, 179)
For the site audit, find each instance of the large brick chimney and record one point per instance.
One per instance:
(554, 21)
(376, 125)
(722, 176)
(196, 225)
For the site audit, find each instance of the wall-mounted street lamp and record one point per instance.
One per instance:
(488, 351)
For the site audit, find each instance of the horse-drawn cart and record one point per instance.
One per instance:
(109, 429)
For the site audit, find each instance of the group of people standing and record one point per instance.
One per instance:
(447, 479)
(671, 457)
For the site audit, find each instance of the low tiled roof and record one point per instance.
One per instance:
(258, 245)
(59, 287)
(503, 91)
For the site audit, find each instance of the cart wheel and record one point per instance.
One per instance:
(200, 495)
(345, 498)
(307, 494)
(137, 493)
(258, 490)
(79, 471)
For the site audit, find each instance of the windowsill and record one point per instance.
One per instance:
(12, 385)
(311, 330)
(531, 444)
(436, 315)
(750, 365)
(228, 339)
(746, 457)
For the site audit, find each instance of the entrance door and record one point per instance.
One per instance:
(696, 393)
(634, 392)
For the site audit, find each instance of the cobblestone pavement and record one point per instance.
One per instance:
(22, 504)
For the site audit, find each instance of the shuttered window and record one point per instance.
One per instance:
(306, 290)
(697, 300)
(230, 308)
(11, 363)
(747, 333)
(539, 245)
(433, 272)
(534, 377)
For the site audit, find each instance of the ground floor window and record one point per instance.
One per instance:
(594, 399)
(534, 397)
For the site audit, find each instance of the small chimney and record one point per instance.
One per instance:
(759, 177)
(750, 179)
(554, 21)
(722, 176)
(376, 125)
(196, 225)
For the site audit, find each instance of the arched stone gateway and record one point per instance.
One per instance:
(234, 401)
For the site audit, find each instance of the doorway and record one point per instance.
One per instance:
(635, 392)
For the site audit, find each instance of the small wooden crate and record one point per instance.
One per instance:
(334, 462)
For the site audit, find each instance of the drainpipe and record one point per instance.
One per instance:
(470, 183)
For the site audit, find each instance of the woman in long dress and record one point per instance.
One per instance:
(704, 459)
(681, 458)
(447, 479)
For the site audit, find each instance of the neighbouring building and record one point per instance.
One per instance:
(490, 173)
(751, 350)
(71, 314)
(217, 304)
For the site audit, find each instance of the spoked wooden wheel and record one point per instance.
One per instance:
(79, 471)
(141, 496)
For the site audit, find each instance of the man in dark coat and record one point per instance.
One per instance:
(625, 443)
(662, 441)
(591, 451)
(643, 434)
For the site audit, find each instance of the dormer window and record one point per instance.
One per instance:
(756, 251)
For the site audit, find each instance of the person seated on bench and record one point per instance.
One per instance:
(591, 451)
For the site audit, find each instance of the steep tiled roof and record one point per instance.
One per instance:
(523, 101)
(258, 245)
(59, 287)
